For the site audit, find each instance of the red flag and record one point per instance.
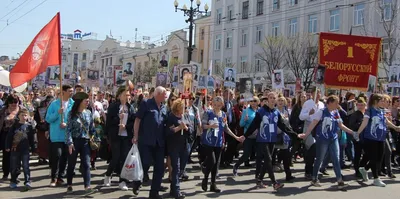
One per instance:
(44, 51)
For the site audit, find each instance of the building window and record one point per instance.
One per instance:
(202, 34)
(334, 20)
(84, 56)
(259, 34)
(107, 62)
(111, 61)
(228, 62)
(229, 41)
(293, 2)
(245, 10)
(75, 62)
(64, 56)
(260, 7)
(275, 29)
(359, 14)
(243, 64)
(275, 5)
(244, 37)
(387, 10)
(219, 16)
(102, 63)
(218, 42)
(201, 55)
(258, 65)
(230, 12)
(292, 27)
(312, 23)
(217, 64)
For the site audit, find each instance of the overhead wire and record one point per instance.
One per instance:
(29, 11)
(14, 9)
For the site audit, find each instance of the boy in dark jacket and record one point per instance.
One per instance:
(18, 141)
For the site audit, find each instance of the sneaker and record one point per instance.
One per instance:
(315, 183)
(342, 185)
(123, 186)
(52, 183)
(107, 181)
(324, 172)
(13, 185)
(204, 184)
(70, 190)
(391, 175)
(60, 182)
(364, 174)
(27, 187)
(278, 186)
(89, 191)
(260, 185)
(378, 182)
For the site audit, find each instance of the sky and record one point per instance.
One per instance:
(154, 18)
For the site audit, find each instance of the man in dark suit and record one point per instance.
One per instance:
(230, 77)
(163, 62)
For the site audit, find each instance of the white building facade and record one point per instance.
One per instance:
(240, 26)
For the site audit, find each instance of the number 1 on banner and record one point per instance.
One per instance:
(350, 52)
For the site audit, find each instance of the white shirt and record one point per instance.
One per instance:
(123, 109)
(306, 108)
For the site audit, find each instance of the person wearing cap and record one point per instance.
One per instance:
(79, 130)
(57, 117)
(119, 130)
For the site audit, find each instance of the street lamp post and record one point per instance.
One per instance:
(191, 12)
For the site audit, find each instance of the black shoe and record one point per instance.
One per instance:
(214, 188)
(290, 178)
(163, 189)
(204, 184)
(155, 197)
(247, 164)
(190, 161)
(70, 190)
(324, 172)
(278, 186)
(135, 189)
(180, 195)
(235, 171)
(185, 177)
(391, 175)
(382, 174)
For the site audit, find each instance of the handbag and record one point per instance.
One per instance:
(94, 144)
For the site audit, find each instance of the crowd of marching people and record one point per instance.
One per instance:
(274, 131)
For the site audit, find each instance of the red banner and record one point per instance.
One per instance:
(348, 60)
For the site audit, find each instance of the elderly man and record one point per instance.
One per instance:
(149, 134)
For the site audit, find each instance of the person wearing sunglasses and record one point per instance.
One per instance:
(246, 119)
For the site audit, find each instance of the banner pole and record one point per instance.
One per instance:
(61, 68)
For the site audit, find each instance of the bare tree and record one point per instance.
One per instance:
(273, 53)
(388, 11)
(301, 57)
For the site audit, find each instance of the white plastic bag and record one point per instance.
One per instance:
(132, 170)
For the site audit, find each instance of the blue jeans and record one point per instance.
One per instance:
(82, 148)
(323, 147)
(183, 162)
(15, 162)
(179, 158)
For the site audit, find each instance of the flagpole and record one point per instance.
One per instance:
(61, 68)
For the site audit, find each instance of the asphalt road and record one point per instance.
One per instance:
(233, 187)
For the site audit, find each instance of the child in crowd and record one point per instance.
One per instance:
(18, 142)
(98, 125)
